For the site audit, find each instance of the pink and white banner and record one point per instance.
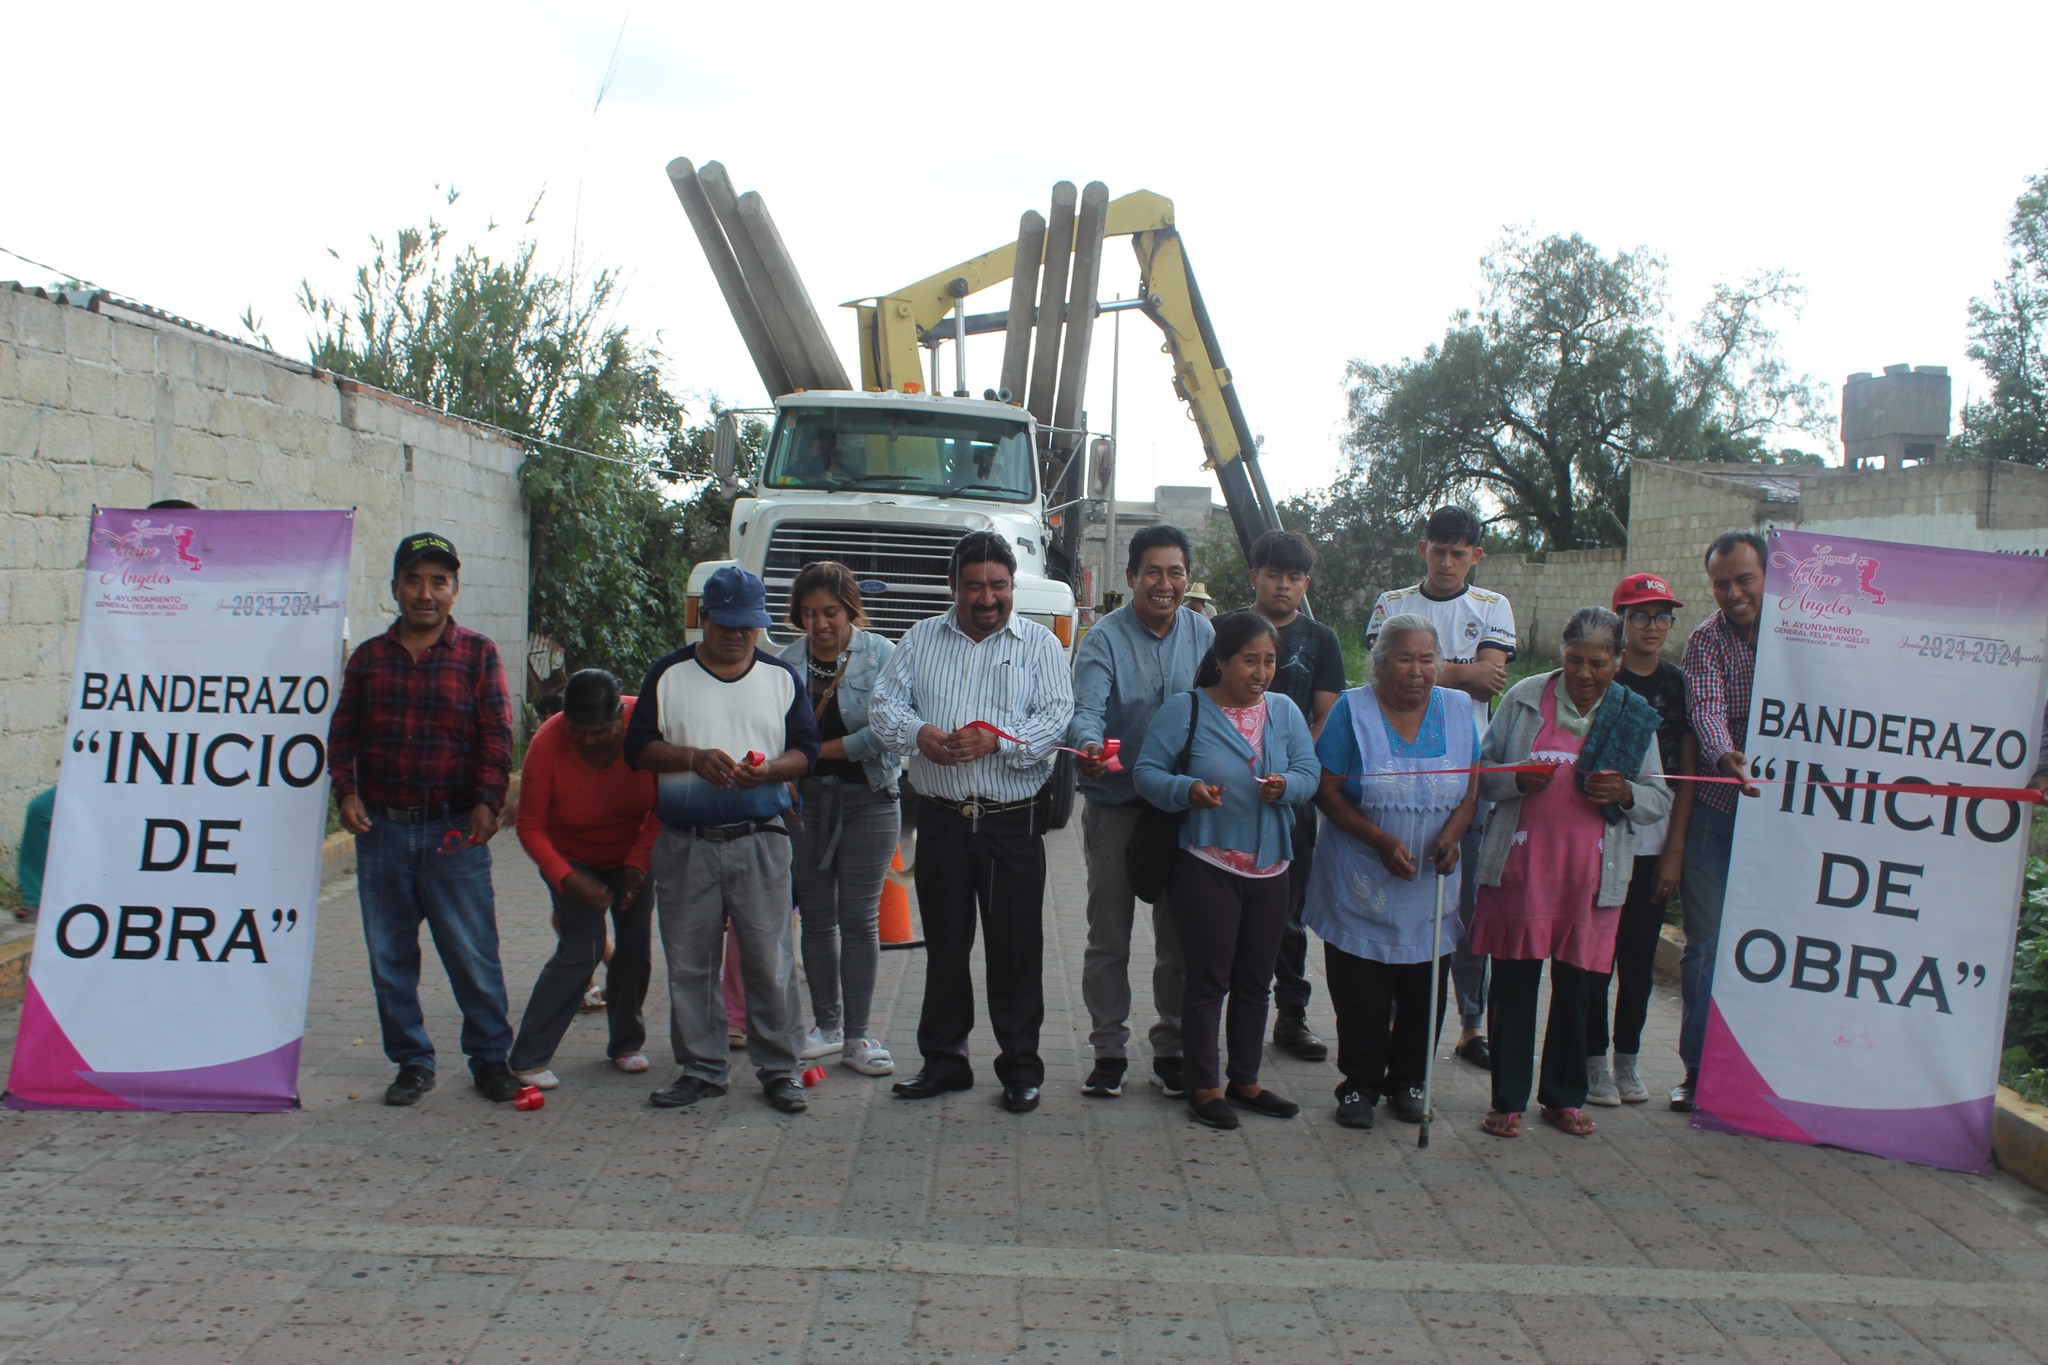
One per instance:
(175, 944)
(1867, 939)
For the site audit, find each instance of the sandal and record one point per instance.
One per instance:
(1502, 1125)
(1572, 1121)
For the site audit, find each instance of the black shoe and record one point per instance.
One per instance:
(1682, 1094)
(1020, 1099)
(496, 1081)
(1354, 1108)
(1215, 1113)
(1170, 1076)
(684, 1091)
(1406, 1105)
(1106, 1081)
(1265, 1102)
(1479, 1052)
(787, 1094)
(1291, 1033)
(413, 1081)
(926, 1085)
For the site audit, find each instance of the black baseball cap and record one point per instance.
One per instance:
(424, 545)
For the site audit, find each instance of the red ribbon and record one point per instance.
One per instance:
(1108, 754)
(2025, 796)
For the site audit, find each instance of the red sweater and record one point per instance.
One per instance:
(569, 812)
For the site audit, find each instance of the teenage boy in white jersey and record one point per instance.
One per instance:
(1476, 631)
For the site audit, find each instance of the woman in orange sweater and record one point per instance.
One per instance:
(587, 820)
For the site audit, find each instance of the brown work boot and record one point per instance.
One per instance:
(1291, 1033)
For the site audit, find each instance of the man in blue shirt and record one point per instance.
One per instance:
(1128, 665)
(723, 851)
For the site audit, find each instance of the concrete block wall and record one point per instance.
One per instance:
(1545, 593)
(105, 410)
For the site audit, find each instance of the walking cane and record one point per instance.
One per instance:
(1436, 976)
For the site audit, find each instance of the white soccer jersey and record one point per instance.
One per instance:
(1463, 623)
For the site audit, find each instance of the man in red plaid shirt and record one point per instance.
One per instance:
(1719, 668)
(420, 748)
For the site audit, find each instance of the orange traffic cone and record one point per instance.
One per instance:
(896, 907)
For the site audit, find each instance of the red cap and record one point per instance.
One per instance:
(1639, 588)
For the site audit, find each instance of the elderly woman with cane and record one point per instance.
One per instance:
(1239, 760)
(1396, 797)
(1555, 862)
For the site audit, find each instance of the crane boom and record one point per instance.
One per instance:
(893, 328)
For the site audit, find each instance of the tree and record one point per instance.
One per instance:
(2007, 334)
(1536, 405)
(610, 449)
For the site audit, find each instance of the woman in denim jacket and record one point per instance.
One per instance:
(851, 818)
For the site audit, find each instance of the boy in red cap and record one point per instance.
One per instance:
(1648, 609)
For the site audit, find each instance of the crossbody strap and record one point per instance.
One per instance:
(1187, 748)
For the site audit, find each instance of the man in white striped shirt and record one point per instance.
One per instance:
(980, 843)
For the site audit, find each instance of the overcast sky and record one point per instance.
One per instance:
(1337, 171)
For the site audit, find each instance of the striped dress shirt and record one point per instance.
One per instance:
(1017, 680)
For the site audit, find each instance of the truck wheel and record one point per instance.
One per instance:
(1066, 777)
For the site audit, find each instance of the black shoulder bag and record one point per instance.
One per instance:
(1148, 857)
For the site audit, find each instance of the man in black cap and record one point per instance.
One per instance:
(420, 749)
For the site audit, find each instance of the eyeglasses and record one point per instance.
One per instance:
(1643, 618)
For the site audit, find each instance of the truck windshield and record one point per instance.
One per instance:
(931, 454)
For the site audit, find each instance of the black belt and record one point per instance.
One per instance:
(422, 815)
(725, 834)
(974, 809)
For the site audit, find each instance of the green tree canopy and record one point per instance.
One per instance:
(611, 452)
(2007, 333)
(1535, 405)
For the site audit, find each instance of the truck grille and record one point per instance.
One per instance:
(912, 560)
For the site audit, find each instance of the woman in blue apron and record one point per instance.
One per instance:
(1387, 839)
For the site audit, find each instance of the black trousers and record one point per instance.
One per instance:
(1635, 962)
(1290, 968)
(991, 870)
(579, 948)
(1511, 1009)
(1230, 928)
(1375, 1059)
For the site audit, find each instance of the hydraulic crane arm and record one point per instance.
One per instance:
(893, 328)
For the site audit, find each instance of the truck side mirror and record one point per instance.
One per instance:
(725, 452)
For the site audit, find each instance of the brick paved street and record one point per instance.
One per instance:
(871, 1229)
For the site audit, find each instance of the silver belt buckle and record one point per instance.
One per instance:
(971, 809)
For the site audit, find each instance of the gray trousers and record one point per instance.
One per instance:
(1106, 967)
(840, 854)
(698, 886)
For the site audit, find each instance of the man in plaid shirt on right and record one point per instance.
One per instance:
(1720, 668)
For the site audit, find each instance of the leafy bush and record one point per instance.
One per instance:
(2025, 1063)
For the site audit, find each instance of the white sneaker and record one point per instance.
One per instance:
(821, 1043)
(1600, 1084)
(1628, 1081)
(868, 1057)
(542, 1079)
(631, 1061)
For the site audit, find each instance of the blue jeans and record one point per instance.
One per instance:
(1702, 887)
(403, 877)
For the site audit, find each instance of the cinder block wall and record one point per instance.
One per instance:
(1545, 593)
(102, 410)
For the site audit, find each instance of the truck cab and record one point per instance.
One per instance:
(886, 484)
